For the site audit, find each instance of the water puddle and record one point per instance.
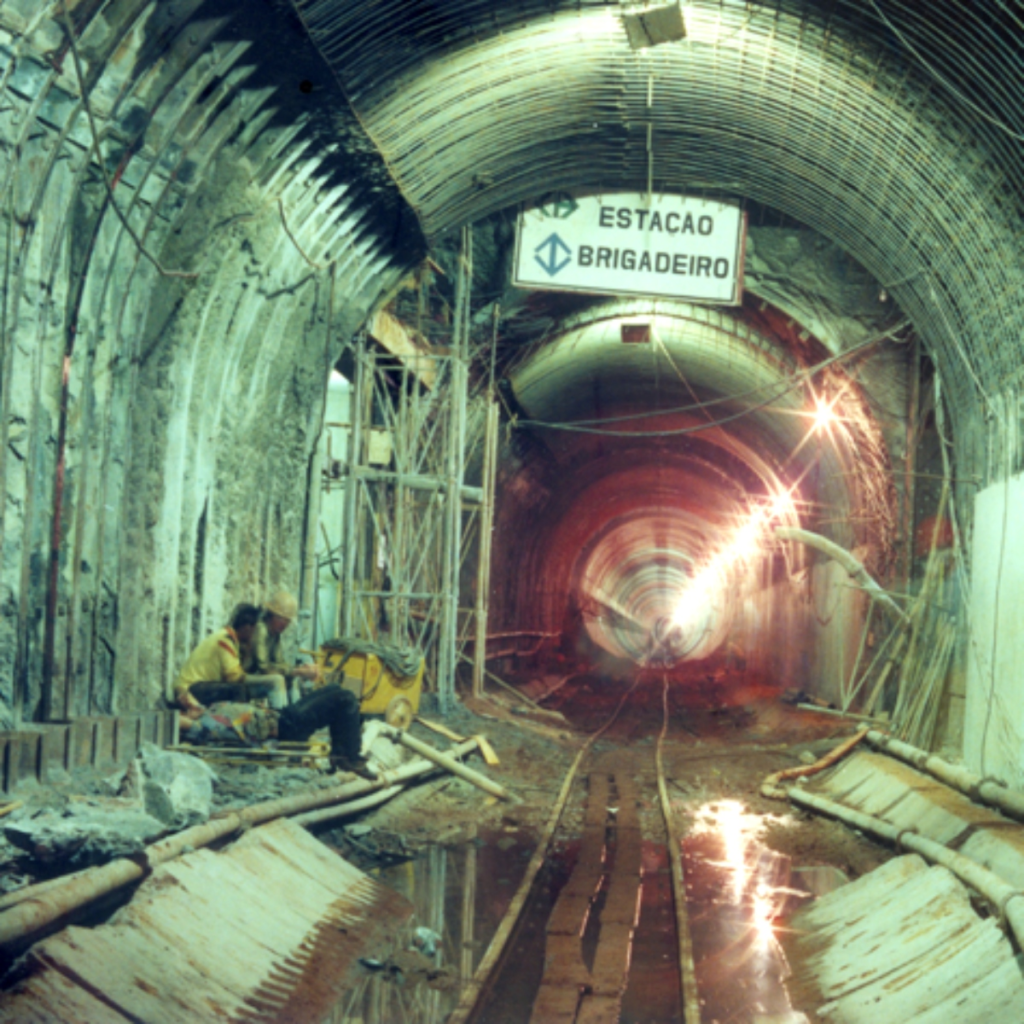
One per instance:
(738, 893)
(461, 894)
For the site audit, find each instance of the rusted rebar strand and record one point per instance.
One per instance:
(771, 788)
(988, 791)
(43, 905)
(1008, 900)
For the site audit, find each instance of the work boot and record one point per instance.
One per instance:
(357, 765)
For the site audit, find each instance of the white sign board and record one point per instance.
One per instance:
(633, 244)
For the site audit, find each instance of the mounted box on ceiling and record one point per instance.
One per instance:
(636, 334)
(649, 26)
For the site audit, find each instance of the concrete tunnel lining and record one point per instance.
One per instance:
(222, 175)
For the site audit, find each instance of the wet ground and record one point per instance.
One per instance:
(749, 861)
(460, 855)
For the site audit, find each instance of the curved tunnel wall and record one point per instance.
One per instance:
(156, 430)
(604, 531)
(891, 130)
(127, 529)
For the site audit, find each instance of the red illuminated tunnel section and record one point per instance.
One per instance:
(601, 537)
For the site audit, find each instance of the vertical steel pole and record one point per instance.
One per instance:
(355, 454)
(459, 376)
(399, 553)
(483, 568)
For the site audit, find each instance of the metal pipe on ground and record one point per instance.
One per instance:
(379, 797)
(43, 905)
(975, 786)
(990, 885)
(446, 761)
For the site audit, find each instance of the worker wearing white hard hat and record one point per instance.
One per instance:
(265, 654)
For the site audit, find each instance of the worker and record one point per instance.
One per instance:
(213, 671)
(329, 707)
(264, 654)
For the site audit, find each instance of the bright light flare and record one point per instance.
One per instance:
(746, 543)
(825, 414)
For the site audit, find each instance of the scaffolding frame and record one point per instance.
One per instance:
(412, 525)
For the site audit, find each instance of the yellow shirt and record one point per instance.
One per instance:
(215, 660)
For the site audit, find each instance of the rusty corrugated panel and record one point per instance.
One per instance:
(903, 944)
(268, 930)
(897, 793)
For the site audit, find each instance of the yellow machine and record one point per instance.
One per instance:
(379, 690)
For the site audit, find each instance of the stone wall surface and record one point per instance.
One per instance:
(161, 395)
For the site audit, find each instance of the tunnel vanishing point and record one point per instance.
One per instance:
(264, 325)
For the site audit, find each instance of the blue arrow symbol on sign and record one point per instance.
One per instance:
(554, 260)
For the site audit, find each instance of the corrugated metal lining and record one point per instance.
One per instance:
(895, 792)
(903, 945)
(123, 392)
(891, 129)
(207, 938)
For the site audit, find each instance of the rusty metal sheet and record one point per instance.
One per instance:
(892, 790)
(902, 944)
(269, 929)
(52, 997)
(897, 793)
(1000, 851)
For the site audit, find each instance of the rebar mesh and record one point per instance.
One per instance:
(892, 128)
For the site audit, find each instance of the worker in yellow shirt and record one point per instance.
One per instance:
(264, 653)
(213, 671)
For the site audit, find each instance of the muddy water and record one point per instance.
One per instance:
(461, 894)
(738, 894)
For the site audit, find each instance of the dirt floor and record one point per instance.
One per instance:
(725, 733)
(723, 738)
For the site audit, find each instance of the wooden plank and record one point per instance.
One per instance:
(53, 751)
(490, 757)
(441, 730)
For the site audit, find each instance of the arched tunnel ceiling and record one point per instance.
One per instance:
(890, 128)
(695, 355)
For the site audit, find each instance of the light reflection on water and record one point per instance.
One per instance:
(736, 891)
(461, 893)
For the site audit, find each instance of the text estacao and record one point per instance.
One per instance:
(624, 218)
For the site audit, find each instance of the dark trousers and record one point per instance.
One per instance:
(214, 693)
(329, 706)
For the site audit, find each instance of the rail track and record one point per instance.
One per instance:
(583, 982)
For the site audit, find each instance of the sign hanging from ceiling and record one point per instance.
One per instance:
(629, 243)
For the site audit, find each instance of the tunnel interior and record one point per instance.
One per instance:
(264, 331)
(208, 209)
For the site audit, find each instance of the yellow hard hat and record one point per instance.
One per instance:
(283, 604)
